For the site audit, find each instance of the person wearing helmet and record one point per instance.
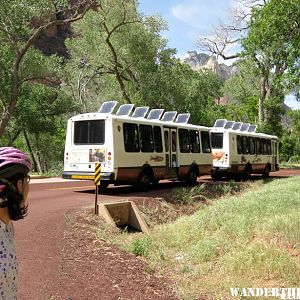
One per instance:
(14, 187)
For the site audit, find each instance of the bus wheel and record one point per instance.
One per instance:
(247, 173)
(192, 178)
(103, 186)
(266, 172)
(145, 180)
(216, 176)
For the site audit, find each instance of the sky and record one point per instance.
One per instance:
(189, 19)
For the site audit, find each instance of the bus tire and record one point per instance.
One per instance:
(192, 177)
(247, 172)
(145, 180)
(216, 176)
(266, 172)
(103, 186)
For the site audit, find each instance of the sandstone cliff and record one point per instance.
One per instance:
(199, 61)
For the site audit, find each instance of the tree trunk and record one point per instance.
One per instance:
(35, 166)
(13, 99)
(37, 154)
(13, 138)
(15, 84)
(262, 97)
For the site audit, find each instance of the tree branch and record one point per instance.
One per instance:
(77, 16)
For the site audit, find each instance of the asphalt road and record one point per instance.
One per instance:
(38, 236)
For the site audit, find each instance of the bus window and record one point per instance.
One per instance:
(239, 144)
(131, 137)
(146, 138)
(205, 141)
(263, 146)
(184, 141)
(157, 139)
(217, 140)
(252, 145)
(269, 147)
(245, 145)
(173, 141)
(195, 142)
(89, 132)
(258, 149)
(167, 141)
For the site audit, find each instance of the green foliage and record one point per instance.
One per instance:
(239, 241)
(140, 246)
(273, 46)
(290, 141)
(109, 61)
(243, 90)
(273, 34)
(204, 192)
(287, 146)
(149, 73)
(31, 98)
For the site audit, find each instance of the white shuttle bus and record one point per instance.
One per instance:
(239, 150)
(135, 149)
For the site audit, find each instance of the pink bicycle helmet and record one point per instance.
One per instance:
(12, 162)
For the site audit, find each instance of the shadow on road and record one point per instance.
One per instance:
(167, 186)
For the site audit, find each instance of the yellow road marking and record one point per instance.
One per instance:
(70, 188)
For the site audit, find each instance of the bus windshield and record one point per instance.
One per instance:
(89, 132)
(216, 140)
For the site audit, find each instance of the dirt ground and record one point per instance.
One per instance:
(93, 269)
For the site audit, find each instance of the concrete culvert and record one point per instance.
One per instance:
(123, 214)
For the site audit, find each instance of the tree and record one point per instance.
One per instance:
(243, 90)
(21, 24)
(273, 42)
(269, 36)
(293, 134)
(109, 62)
(127, 60)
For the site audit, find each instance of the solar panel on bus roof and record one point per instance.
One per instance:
(252, 128)
(237, 125)
(245, 127)
(125, 109)
(169, 116)
(155, 114)
(183, 118)
(229, 124)
(140, 112)
(220, 123)
(107, 107)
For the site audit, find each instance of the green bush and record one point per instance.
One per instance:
(140, 247)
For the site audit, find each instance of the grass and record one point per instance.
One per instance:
(245, 240)
(289, 165)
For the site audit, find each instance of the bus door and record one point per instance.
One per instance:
(170, 137)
